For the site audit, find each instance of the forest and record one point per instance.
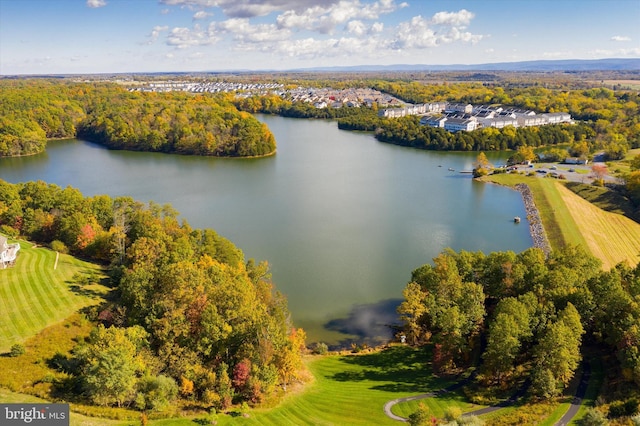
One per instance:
(191, 319)
(523, 317)
(33, 111)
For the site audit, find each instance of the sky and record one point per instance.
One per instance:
(122, 36)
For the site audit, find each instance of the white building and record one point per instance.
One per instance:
(8, 252)
(454, 124)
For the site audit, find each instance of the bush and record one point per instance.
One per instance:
(627, 408)
(470, 421)
(421, 417)
(9, 230)
(320, 348)
(57, 245)
(452, 413)
(594, 417)
(17, 350)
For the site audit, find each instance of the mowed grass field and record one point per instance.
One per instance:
(34, 295)
(351, 390)
(611, 237)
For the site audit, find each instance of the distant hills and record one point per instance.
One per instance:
(613, 64)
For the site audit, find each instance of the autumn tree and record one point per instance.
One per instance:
(481, 166)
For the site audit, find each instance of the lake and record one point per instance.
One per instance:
(341, 218)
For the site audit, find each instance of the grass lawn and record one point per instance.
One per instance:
(350, 389)
(436, 405)
(34, 295)
(611, 237)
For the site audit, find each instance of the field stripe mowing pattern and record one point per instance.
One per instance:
(34, 295)
(611, 237)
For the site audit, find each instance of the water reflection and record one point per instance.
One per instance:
(371, 324)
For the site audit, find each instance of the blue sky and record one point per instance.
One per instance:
(107, 36)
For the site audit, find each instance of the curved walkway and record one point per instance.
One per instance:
(512, 400)
(566, 418)
(390, 404)
(577, 398)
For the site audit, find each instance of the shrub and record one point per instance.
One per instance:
(57, 245)
(470, 421)
(594, 417)
(9, 230)
(17, 350)
(452, 413)
(320, 348)
(626, 408)
(421, 417)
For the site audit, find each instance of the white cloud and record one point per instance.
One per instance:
(244, 32)
(442, 28)
(96, 3)
(337, 28)
(182, 37)
(155, 33)
(620, 38)
(201, 14)
(249, 8)
(325, 19)
(461, 18)
(356, 27)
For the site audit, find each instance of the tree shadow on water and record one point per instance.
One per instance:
(371, 324)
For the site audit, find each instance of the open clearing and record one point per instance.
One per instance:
(611, 237)
(33, 295)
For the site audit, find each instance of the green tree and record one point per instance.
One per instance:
(155, 393)
(111, 363)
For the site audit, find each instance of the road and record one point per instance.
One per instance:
(577, 398)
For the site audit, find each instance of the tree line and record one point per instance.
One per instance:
(526, 315)
(193, 319)
(33, 111)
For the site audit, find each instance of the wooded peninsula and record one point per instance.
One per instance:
(33, 111)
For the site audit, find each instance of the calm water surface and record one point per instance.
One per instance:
(341, 218)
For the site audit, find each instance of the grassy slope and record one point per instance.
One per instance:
(610, 237)
(33, 295)
(569, 219)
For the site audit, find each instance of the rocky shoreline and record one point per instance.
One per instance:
(535, 224)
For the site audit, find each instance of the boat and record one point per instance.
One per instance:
(451, 170)
(516, 219)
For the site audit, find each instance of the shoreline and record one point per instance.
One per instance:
(536, 229)
(272, 153)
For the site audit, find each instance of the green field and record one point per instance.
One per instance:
(34, 295)
(351, 389)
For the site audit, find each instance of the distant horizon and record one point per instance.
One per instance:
(544, 65)
(59, 37)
